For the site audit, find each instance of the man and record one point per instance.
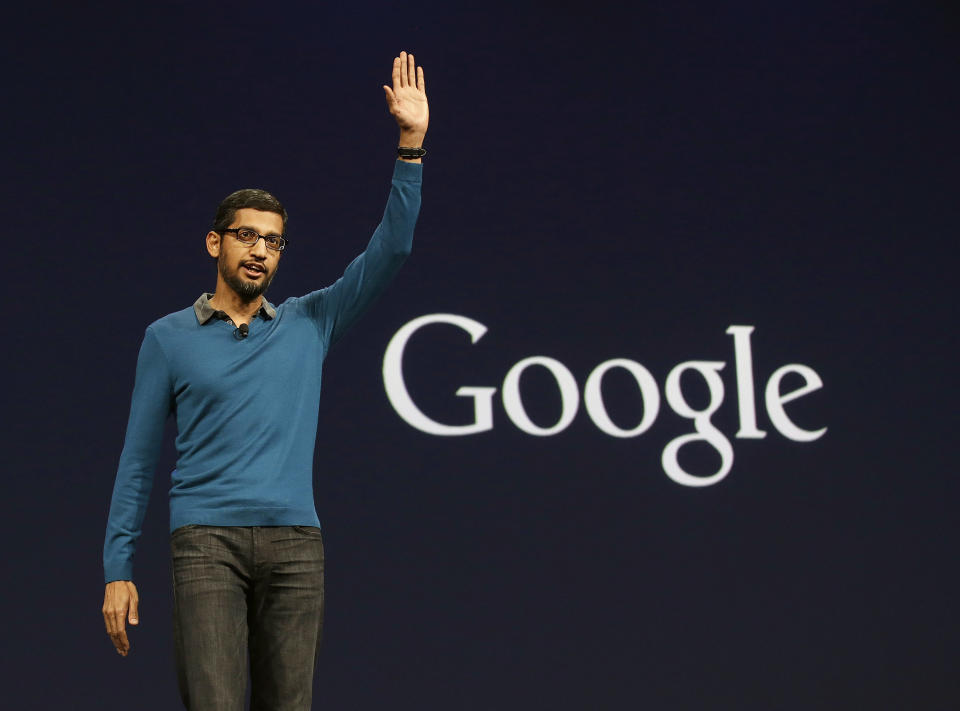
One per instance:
(243, 379)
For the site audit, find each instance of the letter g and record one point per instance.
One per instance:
(400, 398)
(705, 430)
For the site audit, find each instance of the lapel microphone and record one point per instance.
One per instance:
(241, 332)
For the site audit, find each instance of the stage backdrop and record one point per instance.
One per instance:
(658, 413)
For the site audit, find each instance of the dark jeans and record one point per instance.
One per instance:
(240, 588)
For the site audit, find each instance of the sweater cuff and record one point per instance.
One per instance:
(408, 172)
(117, 571)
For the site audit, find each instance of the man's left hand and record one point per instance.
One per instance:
(407, 100)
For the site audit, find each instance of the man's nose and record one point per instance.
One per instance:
(259, 248)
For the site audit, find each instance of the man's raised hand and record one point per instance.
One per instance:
(120, 599)
(407, 100)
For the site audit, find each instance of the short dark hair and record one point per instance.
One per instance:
(249, 197)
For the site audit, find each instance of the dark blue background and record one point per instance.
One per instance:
(601, 183)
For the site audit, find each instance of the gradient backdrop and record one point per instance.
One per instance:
(601, 183)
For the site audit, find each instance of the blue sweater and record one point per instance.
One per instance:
(247, 409)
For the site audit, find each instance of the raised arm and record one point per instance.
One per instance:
(338, 306)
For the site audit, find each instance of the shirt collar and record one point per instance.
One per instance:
(205, 312)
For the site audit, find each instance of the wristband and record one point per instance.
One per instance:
(408, 152)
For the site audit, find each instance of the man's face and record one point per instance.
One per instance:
(249, 269)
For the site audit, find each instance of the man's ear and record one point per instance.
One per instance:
(213, 244)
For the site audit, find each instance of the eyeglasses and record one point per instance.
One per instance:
(249, 237)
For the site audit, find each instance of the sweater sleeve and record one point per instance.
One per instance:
(337, 306)
(151, 404)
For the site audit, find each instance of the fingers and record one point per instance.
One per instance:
(406, 67)
(389, 96)
(114, 620)
(120, 640)
(406, 74)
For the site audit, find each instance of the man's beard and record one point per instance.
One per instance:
(246, 290)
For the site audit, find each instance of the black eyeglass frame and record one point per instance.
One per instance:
(283, 240)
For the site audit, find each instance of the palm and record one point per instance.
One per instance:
(407, 99)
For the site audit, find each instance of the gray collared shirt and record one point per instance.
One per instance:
(205, 312)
